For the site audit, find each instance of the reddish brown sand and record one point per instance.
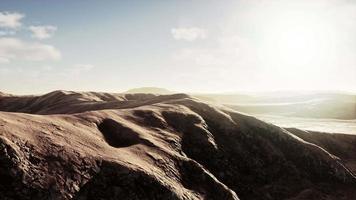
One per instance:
(69, 145)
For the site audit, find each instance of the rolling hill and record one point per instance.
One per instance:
(89, 145)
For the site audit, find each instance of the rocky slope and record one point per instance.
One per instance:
(69, 145)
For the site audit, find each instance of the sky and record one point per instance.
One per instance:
(183, 45)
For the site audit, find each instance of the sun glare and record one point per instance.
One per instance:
(296, 43)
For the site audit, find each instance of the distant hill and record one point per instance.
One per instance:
(312, 105)
(3, 94)
(152, 90)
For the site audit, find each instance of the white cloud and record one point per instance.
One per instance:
(16, 49)
(228, 52)
(4, 60)
(83, 67)
(47, 68)
(6, 32)
(189, 34)
(79, 68)
(42, 32)
(10, 19)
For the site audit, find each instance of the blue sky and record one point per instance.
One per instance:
(183, 45)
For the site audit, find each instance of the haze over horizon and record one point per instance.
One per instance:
(189, 46)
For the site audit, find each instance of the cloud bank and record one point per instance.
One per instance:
(42, 32)
(10, 19)
(16, 49)
(188, 34)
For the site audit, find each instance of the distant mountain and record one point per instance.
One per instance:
(312, 105)
(3, 94)
(152, 90)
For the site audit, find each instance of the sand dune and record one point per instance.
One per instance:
(71, 145)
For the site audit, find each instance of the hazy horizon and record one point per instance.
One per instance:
(185, 46)
(226, 92)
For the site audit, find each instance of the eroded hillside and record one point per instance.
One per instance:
(68, 145)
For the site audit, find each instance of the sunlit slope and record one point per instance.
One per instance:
(157, 147)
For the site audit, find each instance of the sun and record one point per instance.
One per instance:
(295, 44)
(298, 40)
